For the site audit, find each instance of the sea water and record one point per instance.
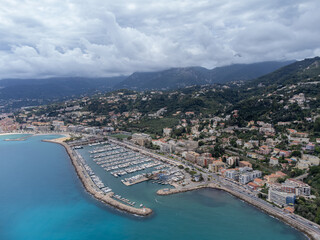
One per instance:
(41, 197)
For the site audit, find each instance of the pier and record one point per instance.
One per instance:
(134, 180)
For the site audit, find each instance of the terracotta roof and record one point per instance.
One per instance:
(289, 209)
(258, 180)
(253, 184)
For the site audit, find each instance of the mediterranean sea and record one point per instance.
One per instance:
(41, 197)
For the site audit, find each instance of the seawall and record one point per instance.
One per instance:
(91, 188)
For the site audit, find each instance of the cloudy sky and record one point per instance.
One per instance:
(106, 38)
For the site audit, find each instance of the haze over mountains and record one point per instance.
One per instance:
(61, 88)
(55, 88)
(182, 77)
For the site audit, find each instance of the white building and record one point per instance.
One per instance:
(273, 161)
(295, 186)
(281, 198)
(232, 174)
(167, 132)
(249, 176)
(141, 139)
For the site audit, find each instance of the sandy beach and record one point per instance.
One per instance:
(4, 134)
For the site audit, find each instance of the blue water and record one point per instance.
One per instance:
(42, 198)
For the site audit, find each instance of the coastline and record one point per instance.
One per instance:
(4, 134)
(33, 133)
(310, 233)
(108, 200)
(89, 185)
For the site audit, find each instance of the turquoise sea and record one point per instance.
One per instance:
(42, 198)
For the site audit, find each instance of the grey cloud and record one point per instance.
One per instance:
(105, 38)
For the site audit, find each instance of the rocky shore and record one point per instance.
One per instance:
(90, 186)
(269, 210)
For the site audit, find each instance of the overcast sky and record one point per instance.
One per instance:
(105, 38)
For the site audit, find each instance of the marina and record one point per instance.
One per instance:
(120, 161)
(96, 187)
(128, 166)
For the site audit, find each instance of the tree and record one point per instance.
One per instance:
(317, 149)
(296, 154)
(217, 151)
(316, 127)
(281, 180)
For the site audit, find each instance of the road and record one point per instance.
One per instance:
(301, 177)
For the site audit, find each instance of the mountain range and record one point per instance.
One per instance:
(16, 93)
(61, 88)
(55, 88)
(175, 78)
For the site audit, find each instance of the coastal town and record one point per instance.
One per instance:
(268, 162)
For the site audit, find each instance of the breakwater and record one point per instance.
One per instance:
(311, 233)
(92, 189)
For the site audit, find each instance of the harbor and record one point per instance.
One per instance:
(120, 161)
(96, 187)
(135, 167)
(126, 165)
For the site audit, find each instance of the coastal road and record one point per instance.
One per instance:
(268, 207)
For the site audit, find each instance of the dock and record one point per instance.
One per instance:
(129, 183)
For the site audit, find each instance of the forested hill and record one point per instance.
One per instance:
(273, 97)
(300, 71)
(182, 77)
(287, 94)
(293, 98)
